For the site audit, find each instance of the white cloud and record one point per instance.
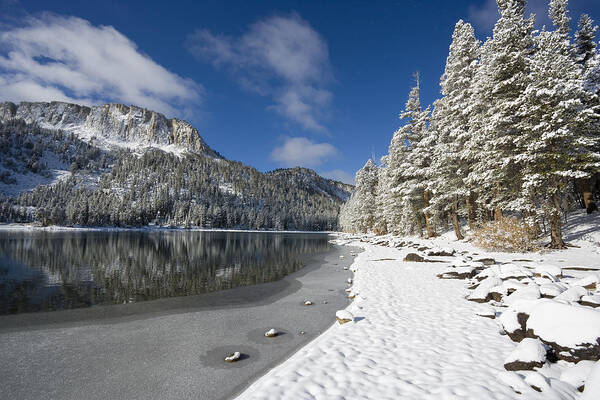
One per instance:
(54, 57)
(485, 15)
(339, 175)
(282, 57)
(301, 151)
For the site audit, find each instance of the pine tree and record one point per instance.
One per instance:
(555, 144)
(499, 84)
(450, 120)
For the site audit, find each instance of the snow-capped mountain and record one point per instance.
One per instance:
(110, 125)
(108, 165)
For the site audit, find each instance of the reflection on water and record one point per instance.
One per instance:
(61, 270)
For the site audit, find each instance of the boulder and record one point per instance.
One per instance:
(487, 261)
(590, 301)
(413, 257)
(553, 270)
(529, 354)
(577, 374)
(592, 384)
(572, 331)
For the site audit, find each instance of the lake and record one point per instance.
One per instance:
(46, 271)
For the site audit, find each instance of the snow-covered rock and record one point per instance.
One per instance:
(482, 293)
(553, 270)
(589, 281)
(591, 300)
(236, 356)
(538, 382)
(512, 271)
(572, 331)
(344, 316)
(529, 292)
(271, 333)
(551, 290)
(529, 354)
(308, 303)
(572, 294)
(592, 384)
(578, 373)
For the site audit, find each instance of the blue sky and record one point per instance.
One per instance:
(269, 83)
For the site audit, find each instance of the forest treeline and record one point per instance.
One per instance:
(516, 132)
(125, 188)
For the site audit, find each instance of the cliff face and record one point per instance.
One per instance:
(113, 122)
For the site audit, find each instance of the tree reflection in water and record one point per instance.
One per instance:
(62, 270)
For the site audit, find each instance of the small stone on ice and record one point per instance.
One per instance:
(271, 333)
(301, 333)
(341, 256)
(308, 303)
(324, 301)
(233, 357)
(349, 281)
(344, 316)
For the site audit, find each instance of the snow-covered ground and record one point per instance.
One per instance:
(415, 336)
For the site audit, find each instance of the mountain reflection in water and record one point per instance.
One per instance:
(61, 270)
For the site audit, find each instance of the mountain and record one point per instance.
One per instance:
(110, 125)
(114, 165)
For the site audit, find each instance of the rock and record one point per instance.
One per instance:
(487, 261)
(589, 282)
(422, 248)
(592, 384)
(551, 290)
(343, 316)
(486, 312)
(549, 269)
(538, 382)
(482, 293)
(441, 253)
(512, 271)
(271, 333)
(529, 292)
(573, 294)
(308, 303)
(572, 331)
(351, 295)
(349, 281)
(413, 257)
(233, 357)
(590, 301)
(577, 374)
(529, 354)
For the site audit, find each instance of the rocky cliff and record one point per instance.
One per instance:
(114, 123)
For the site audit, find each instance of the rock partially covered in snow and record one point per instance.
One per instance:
(573, 294)
(590, 301)
(551, 290)
(553, 270)
(589, 282)
(577, 374)
(271, 333)
(529, 292)
(512, 271)
(572, 331)
(308, 303)
(486, 312)
(529, 354)
(592, 384)
(343, 316)
(482, 293)
(538, 382)
(234, 357)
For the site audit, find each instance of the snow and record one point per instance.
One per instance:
(565, 325)
(578, 373)
(592, 384)
(416, 336)
(528, 350)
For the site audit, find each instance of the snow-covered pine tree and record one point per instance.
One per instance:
(382, 191)
(366, 186)
(585, 46)
(555, 143)
(410, 158)
(498, 109)
(587, 56)
(450, 121)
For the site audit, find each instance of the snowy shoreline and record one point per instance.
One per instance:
(416, 336)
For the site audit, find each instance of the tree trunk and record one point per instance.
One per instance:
(471, 210)
(455, 223)
(584, 187)
(497, 214)
(556, 239)
(428, 228)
